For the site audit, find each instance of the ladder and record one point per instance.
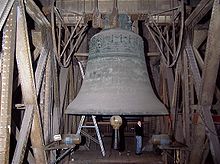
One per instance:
(93, 126)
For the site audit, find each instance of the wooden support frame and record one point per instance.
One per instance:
(198, 13)
(28, 84)
(36, 14)
(210, 71)
(6, 81)
(4, 11)
(208, 75)
(23, 135)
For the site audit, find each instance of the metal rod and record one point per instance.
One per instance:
(77, 41)
(165, 11)
(72, 33)
(154, 38)
(81, 69)
(59, 38)
(161, 35)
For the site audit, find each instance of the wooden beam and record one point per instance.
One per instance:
(16, 133)
(199, 37)
(4, 11)
(25, 69)
(198, 57)
(187, 100)
(198, 13)
(6, 85)
(41, 64)
(209, 76)
(193, 65)
(212, 56)
(208, 85)
(36, 14)
(175, 96)
(23, 135)
(47, 96)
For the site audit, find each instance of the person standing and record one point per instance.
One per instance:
(122, 135)
(138, 137)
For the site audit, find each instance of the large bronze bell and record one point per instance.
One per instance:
(116, 80)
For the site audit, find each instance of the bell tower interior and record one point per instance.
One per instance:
(77, 77)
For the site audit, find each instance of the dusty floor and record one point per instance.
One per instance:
(91, 157)
(94, 155)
